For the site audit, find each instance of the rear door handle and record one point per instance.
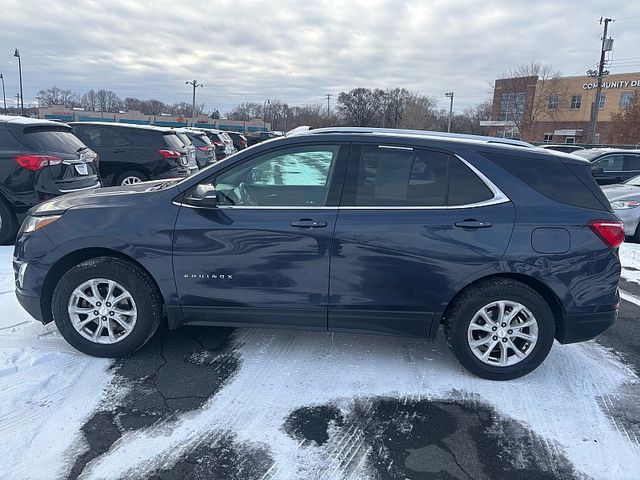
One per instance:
(472, 224)
(308, 223)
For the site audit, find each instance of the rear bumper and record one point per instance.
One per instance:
(585, 326)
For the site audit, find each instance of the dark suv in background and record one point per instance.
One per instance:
(39, 160)
(610, 165)
(135, 153)
(204, 149)
(342, 230)
(239, 140)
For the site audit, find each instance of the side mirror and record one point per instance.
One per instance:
(203, 196)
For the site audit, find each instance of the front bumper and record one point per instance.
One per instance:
(31, 304)
(580, 327)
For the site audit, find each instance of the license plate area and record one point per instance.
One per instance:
(81, 168)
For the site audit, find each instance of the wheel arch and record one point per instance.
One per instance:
(559, 314)
(70, 260)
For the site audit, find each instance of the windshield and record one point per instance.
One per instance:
(588, 154)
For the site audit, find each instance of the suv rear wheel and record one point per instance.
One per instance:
(106, 307)
(131, 177)
(8, 224)
(500, 329)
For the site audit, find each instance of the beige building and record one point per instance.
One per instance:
(558, 111)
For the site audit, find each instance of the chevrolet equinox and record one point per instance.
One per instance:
(345, 230)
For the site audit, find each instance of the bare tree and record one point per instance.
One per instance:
(532, 92)
(361, 106)
(183, 109)
(57, 96)
(625, 124)
(108, 101)
(90, 100)
(246, 111)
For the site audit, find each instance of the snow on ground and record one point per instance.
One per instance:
(47, 391)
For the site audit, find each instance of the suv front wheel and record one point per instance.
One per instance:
(500, 329)
(107, 307)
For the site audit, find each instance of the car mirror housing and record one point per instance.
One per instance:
(204, 195)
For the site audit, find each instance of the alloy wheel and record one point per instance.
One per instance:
(502, 333)
(102, 311)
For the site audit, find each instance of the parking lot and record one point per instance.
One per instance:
(261, 403)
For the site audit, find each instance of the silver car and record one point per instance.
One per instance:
(625, 201)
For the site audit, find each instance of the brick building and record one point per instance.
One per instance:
(557, 110)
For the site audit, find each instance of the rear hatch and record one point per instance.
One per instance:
(174, 143)
(61, 162)
(191, 150)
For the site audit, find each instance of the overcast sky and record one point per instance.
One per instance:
(298, 51)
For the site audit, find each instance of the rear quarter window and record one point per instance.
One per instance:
(571, 184)
(173, 141)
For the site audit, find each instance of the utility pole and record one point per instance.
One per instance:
(17, 54)
(328, 95)
(593, 126)
(4, 96)
(194, 84)
(450, 95)
(264, 114)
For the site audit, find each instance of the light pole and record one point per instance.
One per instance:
(195, 84)
(264, 113)
(17, 54)
(449, 95)
(4, 96)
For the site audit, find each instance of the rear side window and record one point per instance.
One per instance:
(392, 176)
(173, 141)
(52, 139)
(571, 184)
(103, 136)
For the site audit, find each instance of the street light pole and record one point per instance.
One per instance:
(264, 113)
(17, 54)
(194, 84)
(450, 95)
(4, 95)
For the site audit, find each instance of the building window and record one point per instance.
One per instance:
(548, 137)
(511, 106)
(576, 101)
(601, 100)
(570, 140)
(513, 133)
(553, 102)
(625, 99)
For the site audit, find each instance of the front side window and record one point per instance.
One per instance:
(633, 162)
(297, 176)
(610, 163)
(553, 102)
(576, 101)
(389, 176)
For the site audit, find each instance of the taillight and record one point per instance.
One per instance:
(611, 232)
(204, 148)
(169, 153)
(36, 162)
(220, 144)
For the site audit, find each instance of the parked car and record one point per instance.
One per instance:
(239, 140)
(205, 150)
(611, 165)
(508, 247)
(625, 200)
(191, 149)
(134, 153)
(39, 160)
(566, 148)
(260, 137)
(222, 142)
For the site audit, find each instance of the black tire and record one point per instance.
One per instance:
(131, 173)
(8, 224)
(471, 300)
(138, 283)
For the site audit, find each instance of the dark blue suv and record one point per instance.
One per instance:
(345, 230)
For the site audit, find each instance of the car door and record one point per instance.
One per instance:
(609, 169)
(261, 256)
(112, 147)
(413, 224)
(632, 166)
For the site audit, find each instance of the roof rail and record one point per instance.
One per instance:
(421, 133)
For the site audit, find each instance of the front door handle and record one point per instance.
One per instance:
(308, 223)
(472, 224)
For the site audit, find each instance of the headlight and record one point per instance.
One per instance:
(624, 204)
(31, 224)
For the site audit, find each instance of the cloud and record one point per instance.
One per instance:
(298, 51)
